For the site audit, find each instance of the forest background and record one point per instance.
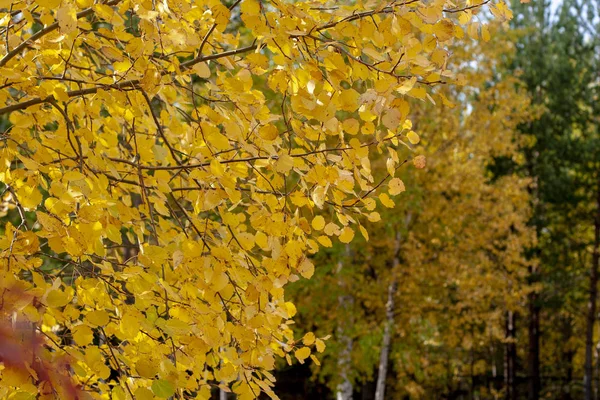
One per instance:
(431, 205)
(491, 259)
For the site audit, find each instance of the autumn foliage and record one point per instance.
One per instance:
(170, 166)
(442, 270)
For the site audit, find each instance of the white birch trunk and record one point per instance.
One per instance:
(385, 346)
(344, 389)
(389, 319)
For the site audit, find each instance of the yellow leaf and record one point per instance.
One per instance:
(216, 168)
(72, 246)
(347, 235)
(391, 119)
(284, 164)
(29, 196)
(349, 100)
(331, 229)
(67, 19)
(122, 66)
(374, 216)
(318, 223)
(446, 102)
(302, 354)
(485, 30)
(49, 4)
(464, 17)
(113, 233)
(219, 281)
(290, 308)
(306, 268)
(143, 393)
(57, 298)
(318, 196)
(320, 345)
(97, 318)
(72, 176)
(212, 198)
(386, 201)
(364, 232)
(146, 368)
(83, 335)
(418, 93)
(246, 240)
(396, 186)
(49, 223)
(308, 339)
(218, 140)
(473, 30)
(261, 240)
(325, 241)
(268, 132)
(444, 30)
(407, 85)
(390, 166)
(413, 137)
(351, 126)
(202, 70)
(178, 257)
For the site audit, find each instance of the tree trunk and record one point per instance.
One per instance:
(534, 347)
(387, 336)
(591, 314)
(344, 389)
(492, 383)
(222, 394)
(567, 391)
(567, 359)
(596, 368)
(389, 316)
(510, 359)
(472, 366)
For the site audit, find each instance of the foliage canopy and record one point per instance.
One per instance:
(169, 166)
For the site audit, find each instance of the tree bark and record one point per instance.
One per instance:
(345, 388)
(567, 358)
(384, 356)
(534, 347)
(472, 366)
(592, 300)
(510, 359)
(385, 346)
(596, 368)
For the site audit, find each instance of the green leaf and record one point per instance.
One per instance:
(163, 389)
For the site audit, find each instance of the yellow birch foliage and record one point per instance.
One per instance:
(464, 258)
(462, 235)
(166, 161)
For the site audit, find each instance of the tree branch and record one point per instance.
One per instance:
(50, 28)
(133, 83)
